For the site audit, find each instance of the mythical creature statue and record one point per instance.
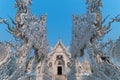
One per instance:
(30, 35)
(88, 33)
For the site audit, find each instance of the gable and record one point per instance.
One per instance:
(59, 49)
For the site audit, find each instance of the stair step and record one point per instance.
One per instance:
(61, 77)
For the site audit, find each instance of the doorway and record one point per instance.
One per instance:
(59, 70)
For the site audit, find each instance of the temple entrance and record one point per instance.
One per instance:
(59, 70)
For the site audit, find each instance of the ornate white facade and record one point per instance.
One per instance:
(59, 65)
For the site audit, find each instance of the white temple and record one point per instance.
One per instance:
(59, 65)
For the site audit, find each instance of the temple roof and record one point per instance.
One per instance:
(59, 47)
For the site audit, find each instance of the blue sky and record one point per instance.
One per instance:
(59, 19)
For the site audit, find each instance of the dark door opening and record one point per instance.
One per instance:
(59, 70)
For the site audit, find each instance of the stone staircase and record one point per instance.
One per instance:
(60, 77)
